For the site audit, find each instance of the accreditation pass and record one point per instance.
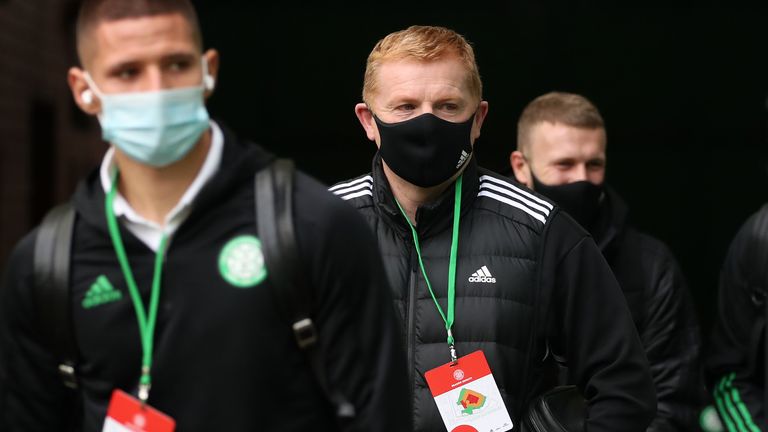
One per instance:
(467, 396)
(127, 414)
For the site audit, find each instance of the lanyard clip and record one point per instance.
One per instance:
(452, 348)
(144, 385)
(144, 393)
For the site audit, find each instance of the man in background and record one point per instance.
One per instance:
(561, 153)
(737, 361)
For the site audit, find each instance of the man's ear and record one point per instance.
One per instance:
(84, 96)
(520, 168)
(482, 111)
(365, 116)
(211, 57)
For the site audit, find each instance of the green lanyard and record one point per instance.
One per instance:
(451, 266)
(146, 324)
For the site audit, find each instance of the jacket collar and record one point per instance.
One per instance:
(432, 218)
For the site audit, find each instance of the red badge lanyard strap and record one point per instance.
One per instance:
(146, 323)
(451, 266)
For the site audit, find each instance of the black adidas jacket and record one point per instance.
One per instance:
(225, 359)
(657, 296)
(536, 254)
(736, 364)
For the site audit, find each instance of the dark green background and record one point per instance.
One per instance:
(682, 90)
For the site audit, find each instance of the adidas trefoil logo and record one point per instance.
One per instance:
(482, 275)
(101, 292)
(462, 158)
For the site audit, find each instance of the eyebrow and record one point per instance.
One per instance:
(563, 159)
(183, 56)
(168, 58)
(116, 68)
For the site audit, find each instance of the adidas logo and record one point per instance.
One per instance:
(482, 275)
(462, 158)
(101, 292)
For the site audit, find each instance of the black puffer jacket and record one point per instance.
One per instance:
(737, 367)
(662, 310)
(534, 254)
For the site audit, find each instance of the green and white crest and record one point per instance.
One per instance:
(241, 262)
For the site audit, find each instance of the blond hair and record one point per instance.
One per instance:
(424, 43)
(557, 107)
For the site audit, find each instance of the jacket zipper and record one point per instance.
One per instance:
(411, 321)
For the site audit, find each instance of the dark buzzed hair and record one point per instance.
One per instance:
(557, 107)
(94, 11)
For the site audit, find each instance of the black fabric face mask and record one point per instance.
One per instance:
(580, 199)
(425, 150)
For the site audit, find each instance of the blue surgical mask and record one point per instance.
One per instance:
(156, 128)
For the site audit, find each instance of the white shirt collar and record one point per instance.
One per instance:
(148, 231)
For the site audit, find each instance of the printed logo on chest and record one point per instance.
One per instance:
(101, 292)
(241, 262)
(482, 275)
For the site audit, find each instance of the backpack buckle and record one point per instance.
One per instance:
(67, 375)
(305, 333)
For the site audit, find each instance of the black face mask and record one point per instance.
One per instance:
(580, 199)
(425, 150)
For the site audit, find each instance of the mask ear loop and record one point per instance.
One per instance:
(92, 89)
(87, 94)
(92, 85)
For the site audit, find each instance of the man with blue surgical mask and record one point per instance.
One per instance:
(170, 293)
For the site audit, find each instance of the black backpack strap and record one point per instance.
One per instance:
(274, 216)
(274, 184)
(53, 247)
